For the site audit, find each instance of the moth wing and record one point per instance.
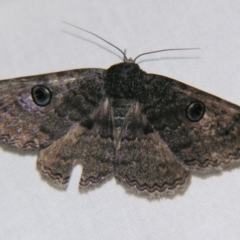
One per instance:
(92, 144)
(74, 96)
(144, 161)
(202, 130)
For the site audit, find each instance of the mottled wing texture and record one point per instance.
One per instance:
(90, 142)
(147, 130)
(23, 124)
(75, 125)
(143, 160)
(210, 142)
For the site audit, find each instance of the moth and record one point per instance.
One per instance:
(147, 130)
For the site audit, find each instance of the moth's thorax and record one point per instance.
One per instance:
(124, 80)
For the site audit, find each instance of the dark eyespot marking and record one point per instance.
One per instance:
(195, 111)
(41, 95)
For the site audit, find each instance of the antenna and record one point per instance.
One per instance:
(164, 50)
(124, 55)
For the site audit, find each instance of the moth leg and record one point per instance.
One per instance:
(147, 164)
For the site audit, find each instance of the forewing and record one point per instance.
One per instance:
(198, 141)
(74, 96)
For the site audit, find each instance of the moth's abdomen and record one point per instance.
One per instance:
(124, 80)
(120, 108)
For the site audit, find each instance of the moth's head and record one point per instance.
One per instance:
(124, 80)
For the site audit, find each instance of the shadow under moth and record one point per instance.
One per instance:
(148, 131)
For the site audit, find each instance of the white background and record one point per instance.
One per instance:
(33, 40)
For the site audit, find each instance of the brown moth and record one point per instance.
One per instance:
(148, 131)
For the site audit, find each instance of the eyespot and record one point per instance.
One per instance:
(195, 111)
(41, 95)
